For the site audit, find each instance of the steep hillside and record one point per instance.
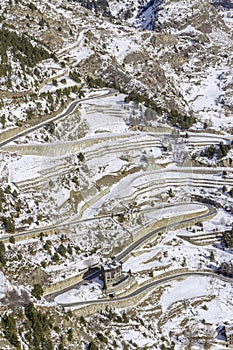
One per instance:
(116, 140)
(183, 62)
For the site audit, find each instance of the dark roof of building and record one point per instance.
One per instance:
(111, 265)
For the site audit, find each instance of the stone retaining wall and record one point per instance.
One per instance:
(6, 134)
(29, 235)
(59, 286)
(69, 282)
(87, 309)
(92, 201)
(55, 150)
(166, 222)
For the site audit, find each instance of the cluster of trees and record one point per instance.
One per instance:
(34, 327)
(59, 96)
(8, 223)
(75, 76)
(37, 291)
(39, 326)
(8, 324)
(95, 82)
(227, 239)
(148, 102)
(116, 317)
(2, 198)
(61, 251)
(3, 120)
(180, 120)
(2, 253)
(101, 337)
(96, 6)
(220, 151)
(47, 246)
(50, 127)
(67, 90)
(223, 149)
(176, 118)
(209, 152)
(7, 191)
(21, 49)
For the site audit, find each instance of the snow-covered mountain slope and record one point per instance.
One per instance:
(127, 10)
(182, 61)
(91, 172)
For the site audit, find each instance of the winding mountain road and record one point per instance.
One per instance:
(142, 289)
(131, 247)
(67, 112)
(136, 244)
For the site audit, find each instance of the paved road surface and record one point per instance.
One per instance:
(136, 244)
(140, 290)
(132, 247)
(68, 111)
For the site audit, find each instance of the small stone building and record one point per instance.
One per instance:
(112, 272)
(226, 269)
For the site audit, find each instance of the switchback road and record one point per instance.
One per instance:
(136, 244)
(142, 289)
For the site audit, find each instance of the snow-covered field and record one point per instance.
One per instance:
(88, 291)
